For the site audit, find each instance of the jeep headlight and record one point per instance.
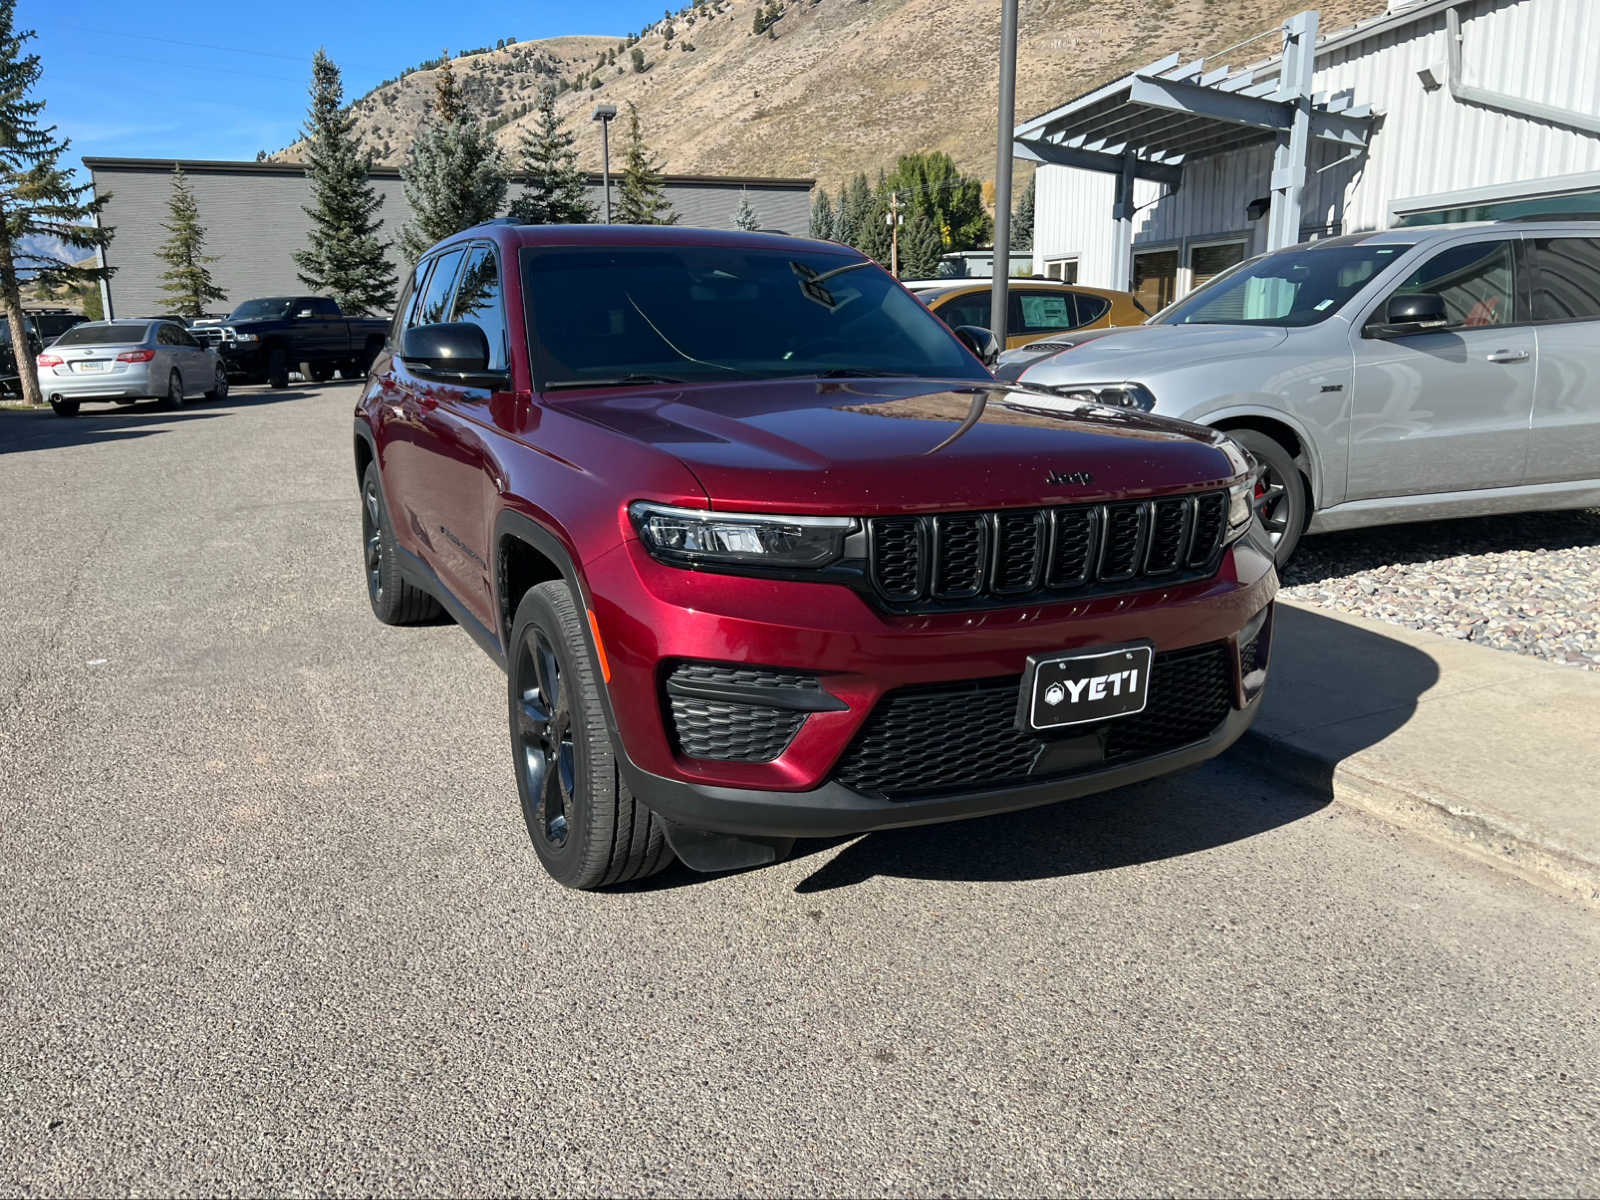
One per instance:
(1241, 503)
(693, 536)
(1115, 395)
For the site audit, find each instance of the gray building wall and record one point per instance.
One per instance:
(254, 216)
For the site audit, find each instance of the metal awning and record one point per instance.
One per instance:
(1151, 123)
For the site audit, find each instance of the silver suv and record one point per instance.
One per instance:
(1433, 371)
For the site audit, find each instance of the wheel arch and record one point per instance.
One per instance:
(1284, 430)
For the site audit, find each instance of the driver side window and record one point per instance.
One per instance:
(1477, 282)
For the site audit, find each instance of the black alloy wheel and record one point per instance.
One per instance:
(372, 538)
(545, 753)
(1281, 496)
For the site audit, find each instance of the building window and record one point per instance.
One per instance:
(1064, 269)
(1155, 278)
(1208, 260)
(1569, 204)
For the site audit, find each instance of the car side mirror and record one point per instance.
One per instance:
(983, 344)
(1417, 312)
(456, 352)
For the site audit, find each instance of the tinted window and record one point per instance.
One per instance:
(166, 335)
(408, 294)
(185, 340)
(324, 307)
(1090, 308)
(1475, 279)
(1566, 278)
(971, 309)
(478, 302)
(262, 310)
(1290, 287)
(1044, 312)
(122, 333)
(601, 314)
(435, 302)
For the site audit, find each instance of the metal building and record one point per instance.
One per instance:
(1434, 110)
(254, 216)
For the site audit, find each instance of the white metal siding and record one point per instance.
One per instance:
(1425, 142)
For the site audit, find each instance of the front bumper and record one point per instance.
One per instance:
(242, 360)
(651, 616)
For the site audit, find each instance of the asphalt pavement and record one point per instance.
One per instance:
(269, 922)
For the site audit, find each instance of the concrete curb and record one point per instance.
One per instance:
(1490, 837)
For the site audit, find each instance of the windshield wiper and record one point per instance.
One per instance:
(640, 377)
(855, 373)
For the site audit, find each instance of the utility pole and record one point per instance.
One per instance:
(894, 234)
(1000, 273)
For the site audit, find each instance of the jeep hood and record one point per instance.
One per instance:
(1144, 351)
(868, 446)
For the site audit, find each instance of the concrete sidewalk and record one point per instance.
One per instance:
(1493, 752)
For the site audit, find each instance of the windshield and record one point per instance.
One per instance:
(261, 310)
(612, 315)
(103, 335)
(1292, 287)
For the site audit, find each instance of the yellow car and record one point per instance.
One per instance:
(1039, 307)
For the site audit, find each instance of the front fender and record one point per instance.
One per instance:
(1321, 450)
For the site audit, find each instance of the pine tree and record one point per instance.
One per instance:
(344, 259)
(556, 193)
(920, 247)
(744, 216)
(821, 215)
(1022, 219)
(874, 238)
(454, 177)
(186, 284)
(38, 199)
(855, 206)
(640, 199)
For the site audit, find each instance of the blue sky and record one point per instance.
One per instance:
(223, 79)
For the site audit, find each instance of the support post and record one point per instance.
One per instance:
(1289, 159)
(1122, 218)
(605, 163)
(1000, 273)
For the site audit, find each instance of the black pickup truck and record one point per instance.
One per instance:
(261, 341)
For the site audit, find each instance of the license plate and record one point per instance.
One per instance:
(88, 367)
(1079, 687)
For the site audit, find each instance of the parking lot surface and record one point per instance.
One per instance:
(269, 922)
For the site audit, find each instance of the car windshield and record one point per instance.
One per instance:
(669, 314)
(1293, 287)
(257, 310)
(120, 333)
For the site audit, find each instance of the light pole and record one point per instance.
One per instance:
(604, 113)
(1001, 271)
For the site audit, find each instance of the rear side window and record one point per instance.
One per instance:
(478, 302)
(1476, 280)
(323, 307)
(1092, 308)
(966, 310)
(1565, 278)
(435, 302)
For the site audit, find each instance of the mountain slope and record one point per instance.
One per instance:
(841, 85)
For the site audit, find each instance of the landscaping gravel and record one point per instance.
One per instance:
(1528, 583)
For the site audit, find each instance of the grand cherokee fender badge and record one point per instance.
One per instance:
(1061, 478)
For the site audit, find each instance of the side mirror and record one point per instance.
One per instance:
(981, 342)
(457, 351)
(1418, 312)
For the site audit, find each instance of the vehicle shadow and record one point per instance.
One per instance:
(22, 431)
(1329, 555)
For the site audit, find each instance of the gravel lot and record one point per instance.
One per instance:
(1528, 583)
(269, 923)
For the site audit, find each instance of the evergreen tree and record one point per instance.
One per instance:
(855, 206)
(186, 284)
(744, 216)
(555, 194)
(640, 199)
(454, 177)
(873, 237)
(1022, 218)
(931, 183)
(821, 215)
(344, 259)
(38, 200)
(920, 247)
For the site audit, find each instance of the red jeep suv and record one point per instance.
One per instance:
(766, 552)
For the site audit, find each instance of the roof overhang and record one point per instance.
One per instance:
(1174, 112)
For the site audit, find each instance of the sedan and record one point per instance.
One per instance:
(126, 361)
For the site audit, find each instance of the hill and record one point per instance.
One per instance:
(833, 86)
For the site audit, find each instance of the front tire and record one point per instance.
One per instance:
(394, 601)
(1282, 498)
(277, 369)
(586, 826)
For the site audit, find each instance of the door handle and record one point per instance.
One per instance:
(1508, 356)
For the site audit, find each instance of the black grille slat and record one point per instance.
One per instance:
(925, 740)
(1019, 552)
(960, 556)
(984, 557)
(1211, 514)
(1169, 535)
(1123, 544)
